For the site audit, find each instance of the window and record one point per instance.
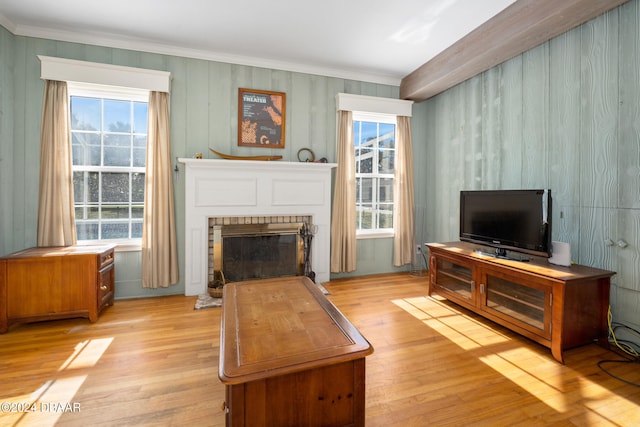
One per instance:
(375, 153)
(109, 139)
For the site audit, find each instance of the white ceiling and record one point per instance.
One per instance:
(379, 41)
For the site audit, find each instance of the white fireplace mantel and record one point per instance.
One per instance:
(233, 188)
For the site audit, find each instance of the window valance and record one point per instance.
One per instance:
(70, 70)
(373, 104)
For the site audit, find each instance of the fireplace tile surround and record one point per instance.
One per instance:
(230, 189)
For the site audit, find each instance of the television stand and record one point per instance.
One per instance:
(502, 254)
(556, 306)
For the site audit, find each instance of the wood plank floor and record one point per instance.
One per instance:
(154, 362)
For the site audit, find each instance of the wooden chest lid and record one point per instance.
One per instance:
(278, 326)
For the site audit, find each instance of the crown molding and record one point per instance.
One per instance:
(113, 41)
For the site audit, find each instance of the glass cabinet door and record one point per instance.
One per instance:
(512, 301)
(455, 279)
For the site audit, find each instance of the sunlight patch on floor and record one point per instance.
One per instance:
(52, 399)
(86, 354)
(521, 365)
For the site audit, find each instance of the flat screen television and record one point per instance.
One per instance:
(516, 220)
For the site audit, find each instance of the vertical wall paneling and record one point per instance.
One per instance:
(492, 138)
(197, 96)
(535, 76)
(564, 138)
(599, 84)
(512, 124)
(471, 134)
(7, 149)
(221, 97)
(599, 114)
(629, 91)
(30, 152)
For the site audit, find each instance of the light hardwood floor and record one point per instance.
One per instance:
(154, 362)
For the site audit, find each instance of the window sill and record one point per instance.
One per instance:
(121, 245)
(375, 235)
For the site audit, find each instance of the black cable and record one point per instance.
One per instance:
(602, 362)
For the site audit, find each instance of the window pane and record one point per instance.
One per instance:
(86, 231)
(140, 111)
(369, 132)
(365, 212)
(85, 187)
(85, 148)
(385, 190)
(115, 230)
(115, 187)
(115, 211)
(136, 230)
(364, 160)
(117, 116)
(117, 140)
(387, 135)
(117, 156)
(137, 211)
(366, 189)
(137, 188)
(386, 162)
(385, 217)
(85, 113)
(139, 156)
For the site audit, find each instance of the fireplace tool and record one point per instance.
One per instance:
(307, 236)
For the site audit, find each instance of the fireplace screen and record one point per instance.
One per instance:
(257, 251)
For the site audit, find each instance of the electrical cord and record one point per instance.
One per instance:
(628, 347)
(426, 264)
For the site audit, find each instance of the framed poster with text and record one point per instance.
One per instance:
(261, 118)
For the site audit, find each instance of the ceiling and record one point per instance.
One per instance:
(378, 41)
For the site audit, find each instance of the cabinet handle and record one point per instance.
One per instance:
(473, 286)
(481, 288)
(104, 288)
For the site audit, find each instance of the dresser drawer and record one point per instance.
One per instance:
(106, 287)
(105, 258)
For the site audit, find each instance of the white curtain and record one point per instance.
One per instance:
(343, 216)
(404, 227)
(56, 216)
(159, 248)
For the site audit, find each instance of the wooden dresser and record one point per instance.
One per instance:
(289, 357)
(55, 283)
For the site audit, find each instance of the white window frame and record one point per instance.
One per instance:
(377, 118)
(91, 90)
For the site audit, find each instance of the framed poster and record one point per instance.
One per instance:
(261, 118)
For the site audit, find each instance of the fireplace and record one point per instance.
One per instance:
(258, 248)
(232, 191)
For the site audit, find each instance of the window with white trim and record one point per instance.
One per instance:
(109, 140)
(374, 137)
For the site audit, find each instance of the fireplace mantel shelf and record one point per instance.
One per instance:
(255, 164)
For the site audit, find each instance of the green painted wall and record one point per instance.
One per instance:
(203, 114)
(565, 116)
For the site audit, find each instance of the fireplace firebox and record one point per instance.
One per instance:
(262, 250)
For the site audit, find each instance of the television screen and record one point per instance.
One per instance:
(518, 220)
